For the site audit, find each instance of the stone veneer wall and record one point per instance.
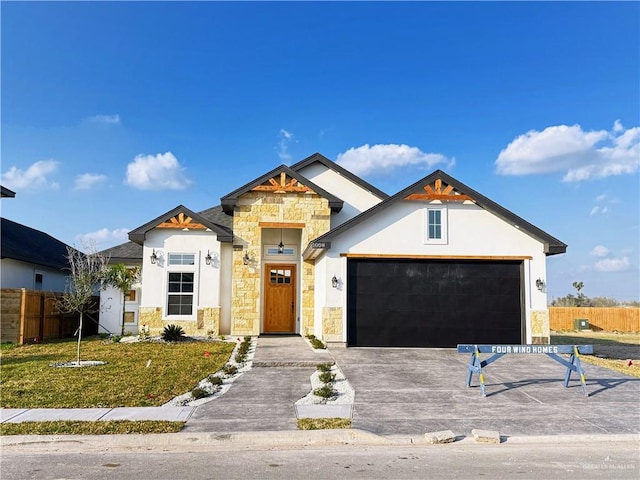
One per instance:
(540, 331)
(332, 324)
(255, 207)
(208, 321)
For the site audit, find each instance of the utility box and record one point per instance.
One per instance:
(580, 324)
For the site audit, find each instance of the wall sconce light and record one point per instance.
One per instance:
(154, 257)
(208, 258)
(540, 284)
(246, 258)
(334, 282)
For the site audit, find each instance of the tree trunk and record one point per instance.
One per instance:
(124, 299)
(79, 338)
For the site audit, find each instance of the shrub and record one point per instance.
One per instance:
(215, 380)
(325, 392)
(198, 392)
(327, 377)
(172, 333)
(324, 367)
(240, 357)
(230, 369)
(315, 343)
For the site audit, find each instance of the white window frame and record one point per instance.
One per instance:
(444, 225)
(179, 268)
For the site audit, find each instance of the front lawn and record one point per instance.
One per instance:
(136, 374)
(616, 351)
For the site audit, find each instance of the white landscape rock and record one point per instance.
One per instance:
(338, 406)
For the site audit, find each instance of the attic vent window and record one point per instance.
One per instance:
(436, 227)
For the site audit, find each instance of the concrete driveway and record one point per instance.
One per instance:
(409, 391)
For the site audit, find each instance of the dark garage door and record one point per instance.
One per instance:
(433, 303)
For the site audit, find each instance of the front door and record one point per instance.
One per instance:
(279, 299)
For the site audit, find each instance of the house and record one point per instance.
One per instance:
(313, 249)
(31, 259)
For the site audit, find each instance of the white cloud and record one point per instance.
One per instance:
(580, 154)
(282, 149)
(599, 251)
(87, 180)
(381, 157)
(33, 177)
(110, 119)
(613, 264)
(104, 238)
(156, 172)
(597, 209)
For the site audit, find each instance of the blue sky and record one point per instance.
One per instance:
(114, 113)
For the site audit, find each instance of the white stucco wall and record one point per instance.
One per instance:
(400, 230)
(111, 311)
(356, 199)
(16, 274)
(207, 277)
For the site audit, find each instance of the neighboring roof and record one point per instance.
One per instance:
(552, 245)
(139, 234)
(27, 244)
(6, 193)
(319, 158)
(216, 215)
(128, 253)
(230, 200)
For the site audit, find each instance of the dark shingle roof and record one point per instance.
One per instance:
(128, 253)
(27, 244)
(6, 193)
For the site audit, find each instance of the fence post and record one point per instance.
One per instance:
(23, 301)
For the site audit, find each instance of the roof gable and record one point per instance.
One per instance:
(440, 186)
(279, 180)
(27, 244)
(180, 218)
(319, 158)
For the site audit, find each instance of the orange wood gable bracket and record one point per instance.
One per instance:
(181, 221)
(437, 192)
(283, 186)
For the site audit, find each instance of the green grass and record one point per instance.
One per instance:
(323, 423)
(90, 428)
(611, 350)
(125, 381)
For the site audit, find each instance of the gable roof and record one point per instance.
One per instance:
(174, 217)
(27, 244)
(319, 158)
(552, 245)
(230, 200)
(6, 193)
(127, 253)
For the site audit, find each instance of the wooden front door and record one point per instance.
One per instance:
(279, 299)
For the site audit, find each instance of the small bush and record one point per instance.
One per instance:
(230, 369)
(240, 357)
(172, 333)
(115, 338)
(324, 367)
(103, 335)
(243, 348)
(215, 380)
(315, 343)
(198, 392)
(327, 377)
(7, 345)
(247, 339)
(325, 392)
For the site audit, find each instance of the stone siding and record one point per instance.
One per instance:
(540, 332)
(332, 324)
(208, 320)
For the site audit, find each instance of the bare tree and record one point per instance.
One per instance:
(87, 275)
(123, 278)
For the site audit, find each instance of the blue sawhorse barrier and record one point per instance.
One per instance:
(554, 351)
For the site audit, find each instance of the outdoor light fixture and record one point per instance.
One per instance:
(280, 245)
(154, 257)
(540, 284)
(246, 259)
(334, 282)
(207, 259)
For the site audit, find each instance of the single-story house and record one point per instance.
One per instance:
(313, 249)
(31, 259)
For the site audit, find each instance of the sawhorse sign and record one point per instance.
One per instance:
(553, 351)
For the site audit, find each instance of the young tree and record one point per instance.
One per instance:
(123, 278)
(87, 274)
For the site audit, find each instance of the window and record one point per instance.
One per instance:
(39, 277)
(436, 225)
(273, 251)
(130, 296)
(279, 277)
(180, 293)
(182, 259)
(129, 317)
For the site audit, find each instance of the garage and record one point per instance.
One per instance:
(433, 302)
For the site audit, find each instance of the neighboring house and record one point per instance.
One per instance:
(313, 249)
(31, 259)
(6, 193)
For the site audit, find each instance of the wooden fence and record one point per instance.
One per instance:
(28, 316)
(606, 319)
